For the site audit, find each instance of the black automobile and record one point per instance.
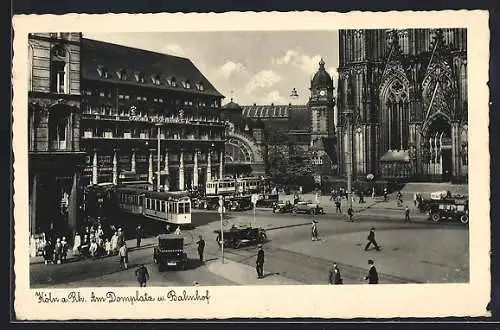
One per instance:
(241, 203)
(240, 236)
(450, 209)
(170, 252)
(283, 207)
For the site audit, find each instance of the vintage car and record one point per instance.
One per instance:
(242, 203)
(307, 207)
(455, 209)
(170, 252)
(283, 207)
(241, 236)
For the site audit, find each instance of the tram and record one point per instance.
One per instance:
(220, 187)
(170, 207)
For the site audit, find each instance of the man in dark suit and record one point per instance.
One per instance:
(371, 240)
(372, 276)
(201, 247)
(142, 275)
(334, 276)
(260, 263)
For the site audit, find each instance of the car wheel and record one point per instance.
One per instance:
(435, 217)
(294, 211)
(464, 219)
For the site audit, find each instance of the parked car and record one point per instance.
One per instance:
(308, 207)
(170, 252)
(242, 203)
(283, 207)
(455, 209)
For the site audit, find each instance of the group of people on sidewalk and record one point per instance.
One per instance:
(335, 277)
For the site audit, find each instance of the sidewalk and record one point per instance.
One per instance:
(246, 275)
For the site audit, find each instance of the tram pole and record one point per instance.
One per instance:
(221, 209)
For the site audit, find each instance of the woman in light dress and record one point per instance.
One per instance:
(77, 244)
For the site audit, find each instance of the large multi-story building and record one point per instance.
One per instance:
(100, 112)
(402, 97)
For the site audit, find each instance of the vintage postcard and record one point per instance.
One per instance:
(213, 166)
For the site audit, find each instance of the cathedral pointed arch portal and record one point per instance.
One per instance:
(411, 99)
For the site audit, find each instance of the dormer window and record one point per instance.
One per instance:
(122, 74)
(156, 79)
(139, 77)
(200, 86)
(173, 82)
(186, 84)
(103, 72)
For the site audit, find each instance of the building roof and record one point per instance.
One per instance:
(321, 78)
(266, 111)
(137, 63)
(280, 117)
(232, 105)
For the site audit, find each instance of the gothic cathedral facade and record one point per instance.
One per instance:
(402, 98)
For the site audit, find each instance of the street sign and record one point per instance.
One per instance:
(221, 201)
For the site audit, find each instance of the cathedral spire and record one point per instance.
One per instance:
(322, 64)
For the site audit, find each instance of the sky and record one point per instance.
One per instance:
(250, 67)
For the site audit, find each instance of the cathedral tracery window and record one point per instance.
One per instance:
(396, 115)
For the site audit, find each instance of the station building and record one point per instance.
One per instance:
(100, 113)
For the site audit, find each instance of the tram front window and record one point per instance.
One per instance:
(187, 208)
(181, 208)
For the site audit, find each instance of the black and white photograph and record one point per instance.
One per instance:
(192, 161)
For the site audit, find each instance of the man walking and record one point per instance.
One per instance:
(201, 247)
(260, 263)
(371, 240)
(372, 276)
(139, 233)
(142, 275)
(350, 213)
(334, 276)
(337, 206)
(314, 231)
(407, 214)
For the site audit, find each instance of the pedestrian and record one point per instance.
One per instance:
(400, 198)
(201, 247)
(373, 193)
(121, 238)
(260, 263)
(93, 249)
(314, 231)
(334, 276)
(64, 249)
(178, 230)
(350, 213)
(48, 252)
(371, 240)
(58, 251)
(337, 206)
(107, 247)
(142, 275)
(407, 214)
(385, 194)
(361, 197)
(123, 256)
(372, 276)
(77, 243)
(85, 246)
(415, 195)
(139, 233)
(114, 243)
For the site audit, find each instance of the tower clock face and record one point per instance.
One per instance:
(322, 93)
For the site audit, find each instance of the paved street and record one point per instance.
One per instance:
(415, 252)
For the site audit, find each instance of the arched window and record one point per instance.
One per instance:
(59, 70)
(395, 115)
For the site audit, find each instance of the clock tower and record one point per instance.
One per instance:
(321, 104)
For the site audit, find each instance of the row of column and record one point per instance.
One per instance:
(181, 184)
